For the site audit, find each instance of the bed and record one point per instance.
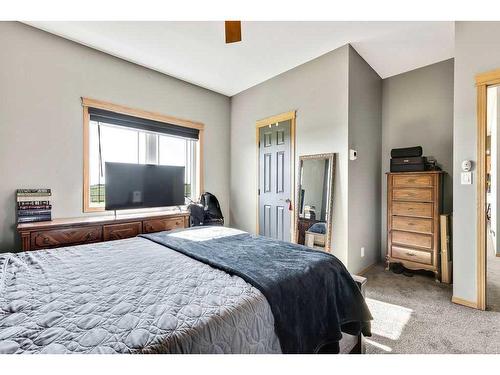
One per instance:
(132, 296)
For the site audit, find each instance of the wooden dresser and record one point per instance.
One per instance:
(414, 204)
(82, 230)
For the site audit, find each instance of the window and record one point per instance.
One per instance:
(118, 137)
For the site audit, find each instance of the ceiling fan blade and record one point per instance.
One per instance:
(233, 31)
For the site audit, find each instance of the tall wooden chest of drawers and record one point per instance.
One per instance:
(414, 203)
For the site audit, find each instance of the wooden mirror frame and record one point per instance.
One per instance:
(332, 158)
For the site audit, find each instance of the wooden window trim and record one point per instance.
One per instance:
(117, 108)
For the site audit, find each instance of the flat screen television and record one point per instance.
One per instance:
(131, 186)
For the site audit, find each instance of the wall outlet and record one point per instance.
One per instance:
(466, 178)
(353, 154)
(362, 252)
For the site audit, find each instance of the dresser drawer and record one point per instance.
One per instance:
(413, 224)
(413, 194)
(412, 180)
(120, 231)
(65, 237)
(412, 239)
(412, 209)
(411, 255)
(158, 225)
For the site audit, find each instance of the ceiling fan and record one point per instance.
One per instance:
(233, 31)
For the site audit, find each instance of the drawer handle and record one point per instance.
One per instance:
(88, 236)
(411, 254)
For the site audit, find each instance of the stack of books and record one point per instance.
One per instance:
(33, 205)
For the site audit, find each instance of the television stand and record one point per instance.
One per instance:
(90, 229)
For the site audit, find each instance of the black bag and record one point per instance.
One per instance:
(207, 212)
(196, 214)
(409, 164)
(406, 152)
(213, 213)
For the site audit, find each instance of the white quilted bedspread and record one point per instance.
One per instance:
(127, 296)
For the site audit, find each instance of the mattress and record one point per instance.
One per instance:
(129, 296)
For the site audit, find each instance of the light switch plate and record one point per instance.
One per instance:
(466, 178)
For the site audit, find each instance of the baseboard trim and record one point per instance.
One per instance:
(366, 269)
(464, 302)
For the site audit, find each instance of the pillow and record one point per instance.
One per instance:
(318, 228)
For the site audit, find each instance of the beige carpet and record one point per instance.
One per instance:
(415, 315)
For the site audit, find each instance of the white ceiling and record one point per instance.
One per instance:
(195, 51)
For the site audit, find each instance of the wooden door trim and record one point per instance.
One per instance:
(483, 80)
(117, 108)
(489, 78)
(285, 116)
(290, 115)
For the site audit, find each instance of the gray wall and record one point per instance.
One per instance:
(477, 50)
(318, 91)
(42, 78)
(338, 101)
(417, 109)
(365, 136)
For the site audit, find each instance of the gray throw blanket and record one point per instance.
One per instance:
(312, 295)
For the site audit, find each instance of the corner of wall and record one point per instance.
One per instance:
(365, 136)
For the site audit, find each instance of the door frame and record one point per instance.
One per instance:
(483, 80)
(285, 116)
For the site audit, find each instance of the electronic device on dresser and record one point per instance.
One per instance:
(414, 203)
(408, 159)
(127, 186)
(130, 186)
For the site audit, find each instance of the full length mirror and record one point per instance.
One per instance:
(315, 200)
